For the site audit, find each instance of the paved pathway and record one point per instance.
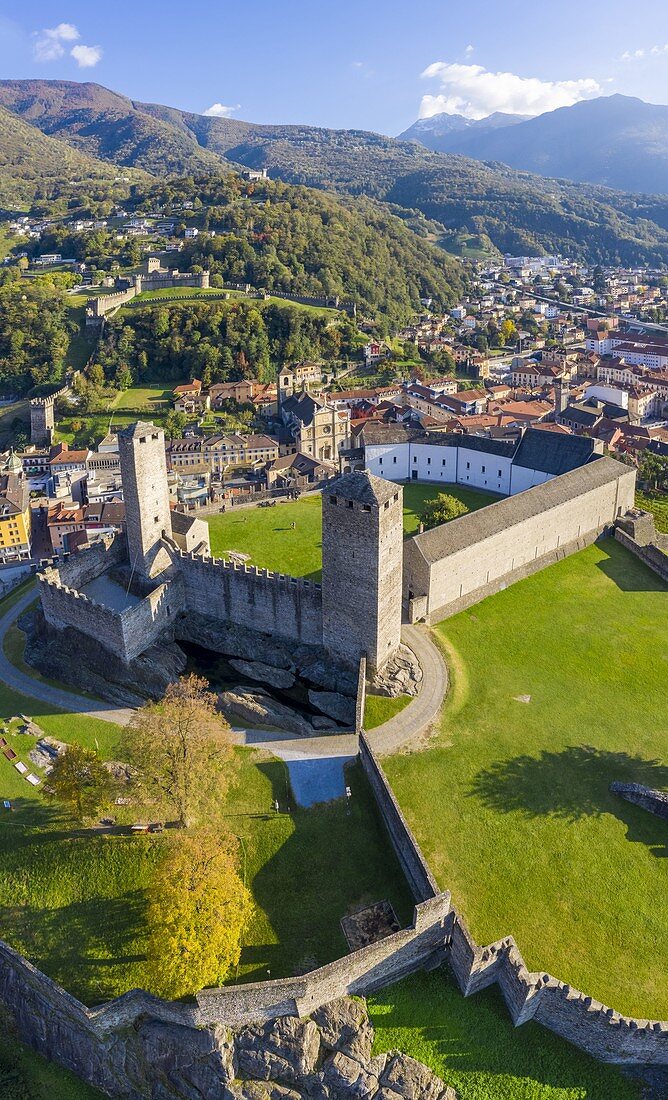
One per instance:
(408, 726)
(46, 693)
(315, 764)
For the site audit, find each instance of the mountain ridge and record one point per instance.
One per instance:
(492, 204)
(616, 141)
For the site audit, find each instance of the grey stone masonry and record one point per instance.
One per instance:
(362, 552)
(141, 449)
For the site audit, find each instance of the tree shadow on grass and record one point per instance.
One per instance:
(89, 947)
(573, 784)
(311, 869)
(473, 1042)
(628, 573)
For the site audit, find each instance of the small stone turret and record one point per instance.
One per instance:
(362, 562)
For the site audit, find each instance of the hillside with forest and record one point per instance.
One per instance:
(489, 200)
(291, 240)
(38, 169)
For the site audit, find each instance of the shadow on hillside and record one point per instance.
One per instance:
(312, 869)
(627, 572)
(572, 784)
(475, 1036)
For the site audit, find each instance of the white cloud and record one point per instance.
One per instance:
(86, 56)
(469, 50)
(49, 42)
(638, 55)
(219, 110)
(474, 92)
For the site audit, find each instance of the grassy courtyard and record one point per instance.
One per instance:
(266, 535)
(559, 688)
(474, 1047)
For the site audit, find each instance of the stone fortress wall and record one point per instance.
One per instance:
(128, 632)
(247, 596)
(94, 1043)
(454, 566)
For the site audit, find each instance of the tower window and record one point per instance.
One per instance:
(156, 519)
(350, 503)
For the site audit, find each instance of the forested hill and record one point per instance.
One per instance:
(302, 241)
(514, 210)
(35, 167)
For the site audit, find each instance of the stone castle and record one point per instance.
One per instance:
(160, 584)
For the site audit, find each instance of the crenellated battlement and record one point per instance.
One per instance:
(230, 566)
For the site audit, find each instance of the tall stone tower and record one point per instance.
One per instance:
(141, 449)
(362, 561)
(42, 421)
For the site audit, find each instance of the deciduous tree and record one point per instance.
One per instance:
(444, 507)
(80, 781)
(198, 908)
(182, 751)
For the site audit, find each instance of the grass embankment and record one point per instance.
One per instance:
(379, 709)
(474, 1047)
(25, 1075)
(657, 503)
(267, 535)
(559, 689)
(123, 407)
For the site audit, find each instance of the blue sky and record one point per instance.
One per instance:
(369, 64)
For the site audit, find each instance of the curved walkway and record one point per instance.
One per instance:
(408, 726)
(20, 681)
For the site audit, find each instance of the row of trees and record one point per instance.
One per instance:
(180, 761)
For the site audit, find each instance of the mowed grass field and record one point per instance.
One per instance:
(559, 688)
(472, 1045)
(271, 542)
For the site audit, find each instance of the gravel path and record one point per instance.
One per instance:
(37, 689)
(315, 764)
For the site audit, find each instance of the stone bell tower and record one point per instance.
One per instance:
(362, 562)
(147, 516)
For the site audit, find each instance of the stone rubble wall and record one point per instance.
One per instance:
(651, 555)
(252, 597)
(127, 633)
(415, 867)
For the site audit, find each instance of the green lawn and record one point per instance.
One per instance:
(266, 535)
(379, 709)
(75, 903)
(472, 1045)
(657, 503)
(147, 399)
(511, 802)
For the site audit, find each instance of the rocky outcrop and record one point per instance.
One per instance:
(258, 708)
(81, 661)
(401, 675)
(325, 1057)
(306, 662)
(339, 707)
(655, 802)
(266, 674)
